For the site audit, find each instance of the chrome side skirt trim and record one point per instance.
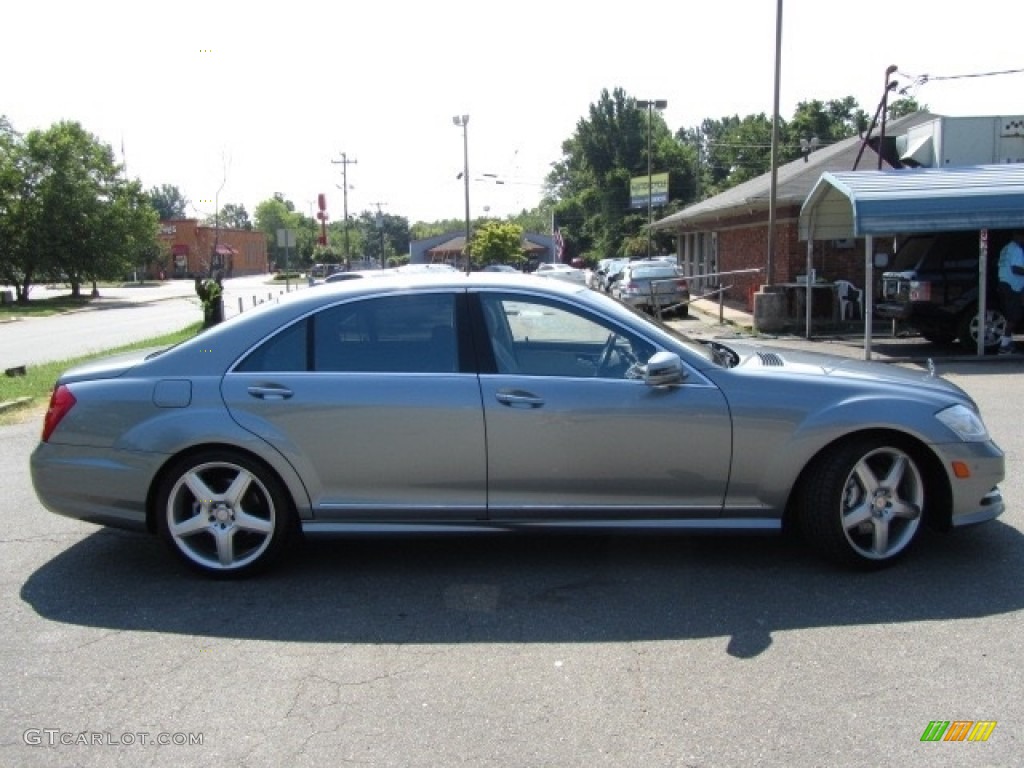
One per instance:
(736, 525)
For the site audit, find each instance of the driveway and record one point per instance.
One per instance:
(121, 315)
(522, 651)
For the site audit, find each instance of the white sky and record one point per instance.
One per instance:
(262, 97)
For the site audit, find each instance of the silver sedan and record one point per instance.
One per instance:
(493, 402)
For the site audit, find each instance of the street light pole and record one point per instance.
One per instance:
(650, 105)
(462, 121)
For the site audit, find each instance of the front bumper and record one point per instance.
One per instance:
(977, 498)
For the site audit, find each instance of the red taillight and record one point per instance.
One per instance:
(682, 284)
(61, 401)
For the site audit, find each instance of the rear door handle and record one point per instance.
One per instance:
(517, 398)
(270, 393)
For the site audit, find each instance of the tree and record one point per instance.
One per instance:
(498, 242)
(77, 216)
(272, 215)
(828, 122)
(591, 180)
(903, 107)
(168, 201)
(234, 217)
(395, 240)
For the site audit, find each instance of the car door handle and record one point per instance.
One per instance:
(270, 393)
(517, 398)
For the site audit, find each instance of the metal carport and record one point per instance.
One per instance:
(898, 202)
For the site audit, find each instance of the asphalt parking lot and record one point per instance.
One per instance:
(520, 651)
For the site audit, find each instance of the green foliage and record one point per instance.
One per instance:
(274, 214)
(234, 216)
(903, 107)
(498, 242)
(68, 210)
(591, 181)
(211, 294)
(379, 230)
(168, 201)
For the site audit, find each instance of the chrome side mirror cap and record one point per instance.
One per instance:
(664, 369)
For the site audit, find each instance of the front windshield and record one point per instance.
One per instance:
(910, 253)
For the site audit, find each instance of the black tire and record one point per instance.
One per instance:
(995, 324)
(861, 503)
(939, 337)
(223, 513)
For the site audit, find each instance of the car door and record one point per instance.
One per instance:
(369, 401)
(573, 432)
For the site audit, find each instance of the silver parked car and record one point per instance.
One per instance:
(562, 272)
(494, 402)
(653, 284)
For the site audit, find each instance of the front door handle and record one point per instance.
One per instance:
(517, 398)
(271, 393)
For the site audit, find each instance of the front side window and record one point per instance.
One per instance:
(532, 337)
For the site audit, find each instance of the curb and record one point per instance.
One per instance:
(10, 405)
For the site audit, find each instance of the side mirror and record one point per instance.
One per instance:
(664, 369)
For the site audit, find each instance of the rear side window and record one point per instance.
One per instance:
(391, 334)
(654, 273)
(283, 352)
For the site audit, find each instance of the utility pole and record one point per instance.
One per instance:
(344, 163)
(380, 228)
(650, 105)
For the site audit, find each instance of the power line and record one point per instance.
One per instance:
(919, 80)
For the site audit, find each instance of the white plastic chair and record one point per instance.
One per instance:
(850, 297)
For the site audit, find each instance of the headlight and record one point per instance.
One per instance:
(965, 422)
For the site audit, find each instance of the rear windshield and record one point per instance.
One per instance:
(654, 273)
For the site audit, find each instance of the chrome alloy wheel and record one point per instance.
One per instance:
(220, 515)
(881, 503)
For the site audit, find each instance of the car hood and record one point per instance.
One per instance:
(108, 367)
(790, 362)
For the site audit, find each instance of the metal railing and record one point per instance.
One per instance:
(719, 289)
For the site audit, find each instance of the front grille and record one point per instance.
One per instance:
(895, 289)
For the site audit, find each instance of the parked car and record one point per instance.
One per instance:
(492, 402)
(562, 272)
(653, 285)
(932, 287)
(405, 269)
(612, 272)
(339, 277)
(499, 268)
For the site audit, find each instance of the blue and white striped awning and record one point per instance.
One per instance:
(894, 202)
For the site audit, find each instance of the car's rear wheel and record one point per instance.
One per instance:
(223, 513)
(971, 326)
(861, 504)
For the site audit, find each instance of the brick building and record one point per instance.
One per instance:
(191, 249)
(729, 232)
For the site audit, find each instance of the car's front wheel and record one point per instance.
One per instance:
(862, 503)
(223, 512)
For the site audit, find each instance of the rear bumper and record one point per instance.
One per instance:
(109, 487)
